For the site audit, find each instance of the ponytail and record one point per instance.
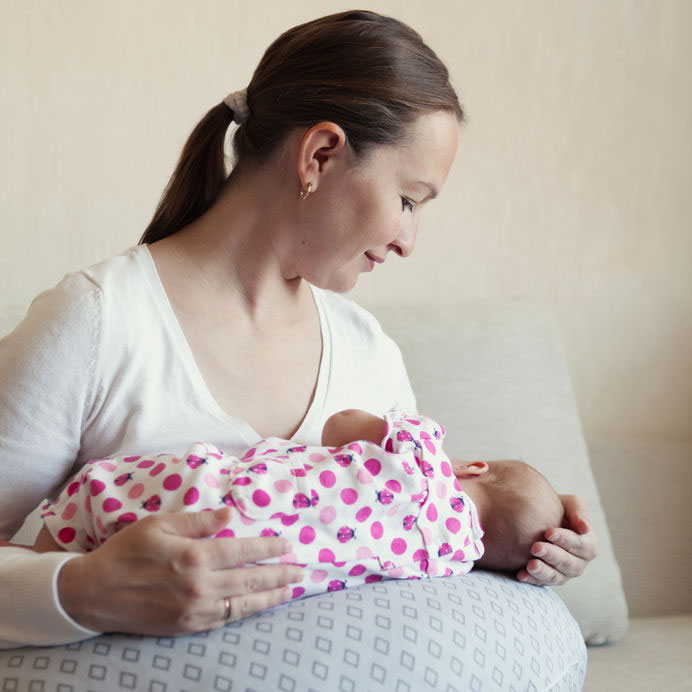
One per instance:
(197, 179)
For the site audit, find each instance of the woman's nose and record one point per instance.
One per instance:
(404, 243)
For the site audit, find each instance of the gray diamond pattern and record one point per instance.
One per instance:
(478, 632)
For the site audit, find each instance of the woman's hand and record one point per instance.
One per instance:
(156, 578)
(568, 550)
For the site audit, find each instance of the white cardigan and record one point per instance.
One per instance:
(99, 367)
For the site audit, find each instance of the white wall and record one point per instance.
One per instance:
(570, 187)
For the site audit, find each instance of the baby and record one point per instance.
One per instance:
(387, 505)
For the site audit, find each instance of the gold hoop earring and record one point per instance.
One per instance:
(303, 194)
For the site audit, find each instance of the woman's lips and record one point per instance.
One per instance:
(373, 260)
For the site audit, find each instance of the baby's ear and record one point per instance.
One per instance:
(469, 469)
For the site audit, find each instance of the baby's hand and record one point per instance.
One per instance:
(350, 425)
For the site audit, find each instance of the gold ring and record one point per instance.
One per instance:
(227, 608)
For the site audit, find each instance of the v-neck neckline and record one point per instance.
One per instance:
(313, 416)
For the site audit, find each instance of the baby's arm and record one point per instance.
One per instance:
(350, 425)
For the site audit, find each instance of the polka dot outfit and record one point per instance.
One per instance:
(354, 514)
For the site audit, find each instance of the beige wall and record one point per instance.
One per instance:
(569, 187)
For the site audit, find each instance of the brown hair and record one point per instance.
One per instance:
(525, 505)
(372, 75)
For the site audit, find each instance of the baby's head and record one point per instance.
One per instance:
(516, 506)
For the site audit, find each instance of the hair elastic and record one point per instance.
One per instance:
(237, 102)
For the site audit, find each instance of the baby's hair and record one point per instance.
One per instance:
(525, 507)
(372, 75)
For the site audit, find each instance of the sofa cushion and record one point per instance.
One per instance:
(495, 375)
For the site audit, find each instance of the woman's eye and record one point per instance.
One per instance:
(406, 204)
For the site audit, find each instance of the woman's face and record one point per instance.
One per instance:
(361, 212)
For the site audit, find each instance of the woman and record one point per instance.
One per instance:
(217, 327)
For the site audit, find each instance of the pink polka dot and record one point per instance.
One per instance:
(107, 465)
(306, 535)
(173, 482)
(315, 458)
(374, 466)
(327, 478)
(357, 570)
(441, 489)
(431, 512)
(398, 546)
(67, 534)
(446, 469)
(191, 496)
(288, 559)
(211, 481)
(364, 476)
(363, 552)
(459, 556)
(376, 529)
(225, 533)
(355, 447)
(127, 517)
(394, 486)
(326, 555)
(433, 568)
(456, 485)
(261, 498)
(348, 496)
(318, 575)
(99, 525)
(146, 464)
(246, 520)
(135, 491)
(289, 519)
(111, 505)
(87, 504)
(283, 486)
(427, 534)
(298, 591)
(453, 525)
(157, 469)
(96, 487)
(420, 554)
(372, 578)
(72, 488)
(328, 514)
(69, 511)
(363, 513)
(396, 572)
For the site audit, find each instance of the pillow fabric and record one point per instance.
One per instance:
(495, 376)
(479, 631)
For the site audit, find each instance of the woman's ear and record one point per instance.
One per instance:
(469, 469)
(320, 146)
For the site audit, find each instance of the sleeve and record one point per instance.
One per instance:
(47, 375)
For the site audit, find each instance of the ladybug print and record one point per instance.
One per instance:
(345, 534)
(343, 459)
(269, 532)
(409, 522)
(194, 462)
(407, 467)
(404, 436)
(123, 478)
(314, 498)
(227, 499)
(298, 450)
(336, 585)
(445, 549)
(457, 504)
(259, 468)
(437, 434)
(301, 500)
(427, 469)
(385, 497)
(153, 504)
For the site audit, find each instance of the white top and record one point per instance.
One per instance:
(100, 367)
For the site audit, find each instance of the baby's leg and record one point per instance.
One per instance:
(350, 425)
(45, 543)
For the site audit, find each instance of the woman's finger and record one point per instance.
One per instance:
(581, 546)
(242, 606)
(247, 580)
(567, 564)
(539, 573)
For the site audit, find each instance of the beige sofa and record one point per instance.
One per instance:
(496, 376)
